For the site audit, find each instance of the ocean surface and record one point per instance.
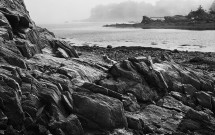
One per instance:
(84, 33)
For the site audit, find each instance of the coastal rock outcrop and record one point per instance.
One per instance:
(47, 88)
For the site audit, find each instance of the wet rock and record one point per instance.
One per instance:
(62, 45)
(158, 120)
(5, 34)
(191, 125)
(173, 104)
(10, 103)
(98, 89)
(11, 55)
(204, 99)
(134, 122)
(33, 36)
(26, 48)
(130, 103)
(68, 102)
(107, 112)
(69, 126)
(61, 53)
(3, 120)
(76, 70)
(121, 132)
(50, 93)
(189, 90)
(199, 121)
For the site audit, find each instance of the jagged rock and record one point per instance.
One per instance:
(16, 13)
(191, 125)
(11, 55)
(10, 103)
(50, 93)
(62, 45)
(33, 36)
(3, 120)
(5, 30)
(158, 120)
(189, 90)
(70, 126)
(98, 89)
(4, 34)
(107, 112)
(68, 102)
(31, 104)
(61, 53)
(173, 104)
(134, 122)
(26, 48)
(45, 36)
(130, 103)
(198, 121)
(121, 132)
(204, 99)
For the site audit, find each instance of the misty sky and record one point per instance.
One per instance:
(60, 11)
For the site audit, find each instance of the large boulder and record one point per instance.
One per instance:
(107, 112)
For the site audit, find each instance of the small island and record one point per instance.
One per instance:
(195, 20)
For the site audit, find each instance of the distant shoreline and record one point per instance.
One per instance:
(163, 25)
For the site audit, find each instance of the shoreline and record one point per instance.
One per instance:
(182, 26)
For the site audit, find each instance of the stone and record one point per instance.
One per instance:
(68, 49)
(68, 102)
(188, 124)
(189, 90)
(70, 126)
(26, 48)
(61, 53)
(107, 112)
(157, 119)
(134, 122)
(10, 103)
(204, 99)
(50, 93)
(98, 89)
(3, 120)
(130, 103)
(173, 104)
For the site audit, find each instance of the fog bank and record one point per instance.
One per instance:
(133, 11)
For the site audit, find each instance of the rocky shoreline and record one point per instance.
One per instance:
(48, 87)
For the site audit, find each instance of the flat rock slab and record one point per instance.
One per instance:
(74, 68)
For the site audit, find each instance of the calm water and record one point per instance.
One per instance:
(95, 34)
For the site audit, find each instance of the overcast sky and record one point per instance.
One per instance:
(60, 11)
